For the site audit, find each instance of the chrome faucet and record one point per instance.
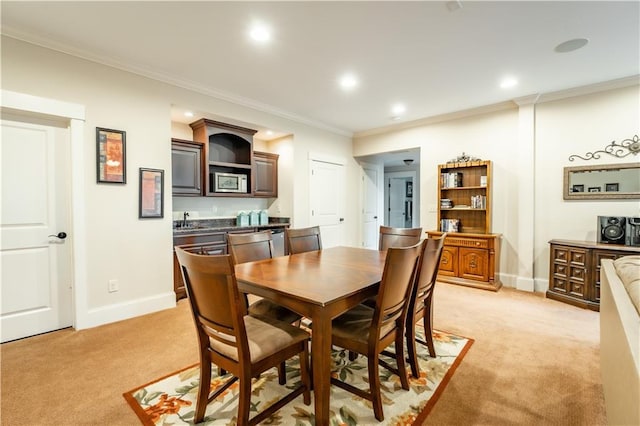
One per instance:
(185, 215)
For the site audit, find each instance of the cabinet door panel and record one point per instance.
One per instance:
(449, 261)
(265, 174)
(185, 169)
(473, 264)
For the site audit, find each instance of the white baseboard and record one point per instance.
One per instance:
(131, 309)
(524, 284)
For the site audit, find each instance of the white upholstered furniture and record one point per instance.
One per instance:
(620, 339)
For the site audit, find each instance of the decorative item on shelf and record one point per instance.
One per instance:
(449, 225)
(264, 217)
(621, 150)
(242, 219)
(463, 158)
(151, 194)
(446, 203)
(110, 156)
(254, 217)
(478, 202)
(451, 180)
(483, 181)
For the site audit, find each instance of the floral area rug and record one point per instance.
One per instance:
(170, 400)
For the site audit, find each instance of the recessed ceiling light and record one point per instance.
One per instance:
(260, 33)
(348, 81)
(188, 114)
(571, 45)
(269, 133)
(398, 109)
(508, 83)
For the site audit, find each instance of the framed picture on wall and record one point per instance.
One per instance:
(409, 189)
(612, 187)
(594, 189)
(111, 156)
(151, 195)
(577, 188)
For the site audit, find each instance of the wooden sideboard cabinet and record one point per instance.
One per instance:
(470, 259)
(574, 270)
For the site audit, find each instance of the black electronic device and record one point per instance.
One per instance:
(612, 229)
(632, 235)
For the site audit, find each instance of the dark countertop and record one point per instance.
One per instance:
(211, 225)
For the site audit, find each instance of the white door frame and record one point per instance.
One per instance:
(416, 193)
(379, 168)
(75, 114)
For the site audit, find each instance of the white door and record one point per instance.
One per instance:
(36, 265)
(326, 191)
(370, 224)
(396, 202)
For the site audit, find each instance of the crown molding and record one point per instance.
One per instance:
(37, 40)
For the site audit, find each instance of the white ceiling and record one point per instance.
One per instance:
(432, 59)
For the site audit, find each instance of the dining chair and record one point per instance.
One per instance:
(244, 345)
(302, 240)
(249, 248)
(398, 237)
(368, 331)
(421, 306)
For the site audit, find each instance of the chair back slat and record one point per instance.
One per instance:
(396, 286)
(302, 240)
(398, 237)
(250, 247)
(428, 268)
(216, 303)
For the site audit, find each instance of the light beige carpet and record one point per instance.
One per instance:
(534, 361)
(171, 399)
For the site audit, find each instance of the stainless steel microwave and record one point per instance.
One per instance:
(230, 182)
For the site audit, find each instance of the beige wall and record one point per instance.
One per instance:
(573, 125)
(118, 244)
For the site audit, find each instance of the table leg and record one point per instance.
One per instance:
(321, 358)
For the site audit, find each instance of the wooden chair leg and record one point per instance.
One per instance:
(428, 333)
(412, 350)
(244, 401)
(374, 386)
(305, 376)
(282, 373)
(204, 389)
(402, 366)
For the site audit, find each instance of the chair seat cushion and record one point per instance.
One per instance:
(266, 337)
(264, 308)
(356, 323)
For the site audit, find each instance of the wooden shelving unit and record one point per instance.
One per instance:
(471, 253)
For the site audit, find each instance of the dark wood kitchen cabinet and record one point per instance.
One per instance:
(574, 270)
(227, 149)
(265, 174)
(186, 167)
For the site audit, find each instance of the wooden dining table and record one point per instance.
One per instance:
(320, 285)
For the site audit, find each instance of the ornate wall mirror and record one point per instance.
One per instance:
(602, 182)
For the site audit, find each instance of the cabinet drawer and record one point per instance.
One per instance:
(577, 273)
(559, 254)
(211, 237)
(560, 270)
(578, 257)
(576, 288)
(467, 242)
(559, 285)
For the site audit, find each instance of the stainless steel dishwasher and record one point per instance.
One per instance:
(277, 234)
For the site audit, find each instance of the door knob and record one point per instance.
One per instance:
(61, 235)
